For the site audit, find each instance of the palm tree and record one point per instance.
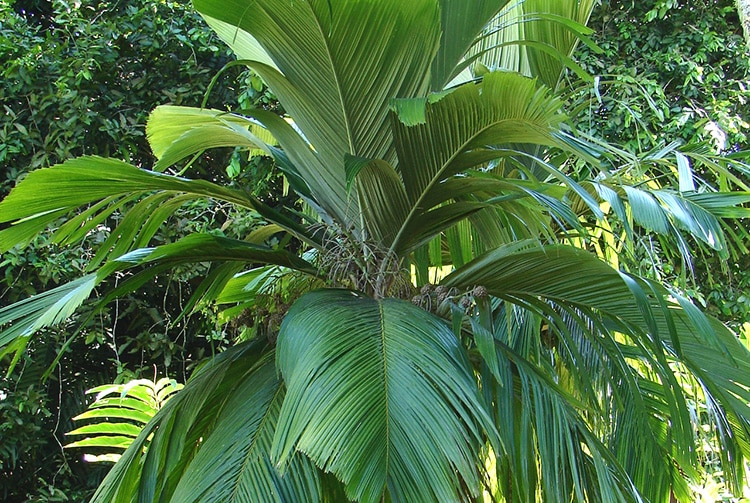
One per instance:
(422, 136)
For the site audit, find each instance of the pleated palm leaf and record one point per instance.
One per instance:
(423, 135)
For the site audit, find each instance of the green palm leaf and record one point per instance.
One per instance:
(209, 248)
(175, 133)
(87, 179)
(139, 400)
(611, 387)
(667, 212)
(381, 195)
(533, 37)
(335, 67)
(562, 30)
(233, 464)
(461, 22)
(691, 217)
(381, 394)
(47, 194)
(552, 450)
(722, 204)
(24, 318)
(439, 137)
(528, 272)
(660, 330)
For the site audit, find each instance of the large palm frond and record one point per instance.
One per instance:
(532, 37)
(623, 320)
(26, 317)
(109, 185)
(334, 66)
(437, 140)
(374, 386)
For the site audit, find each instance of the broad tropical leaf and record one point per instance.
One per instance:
(552, 450)
(45, 195)
(440, 137)
(381, 195)
(660, 329)
(48, 308)
(605, 391)
(335, 67)
(233, 464)
(532, 37)
(24, 318)
(668, 213)
(462, 22)
(209, 248)
(175, 133)
(381, 394)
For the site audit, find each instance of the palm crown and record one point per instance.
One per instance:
(532, 370)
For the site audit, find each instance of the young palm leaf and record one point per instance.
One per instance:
(119, 419)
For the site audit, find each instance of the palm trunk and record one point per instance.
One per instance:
(743, 8)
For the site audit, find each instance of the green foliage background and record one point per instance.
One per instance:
(676, 70)
(669, 70)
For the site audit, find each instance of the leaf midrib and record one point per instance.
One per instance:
(438, 175)
(337, 83)
(385, 391)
